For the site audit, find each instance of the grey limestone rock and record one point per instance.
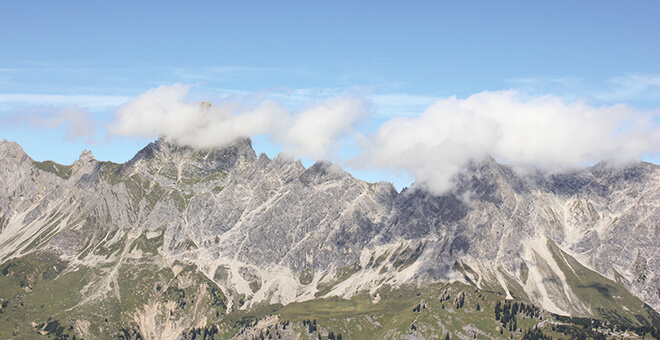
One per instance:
(253, 225)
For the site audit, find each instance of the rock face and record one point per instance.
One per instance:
(265, 230)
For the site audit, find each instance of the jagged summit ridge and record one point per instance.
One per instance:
(225, 156)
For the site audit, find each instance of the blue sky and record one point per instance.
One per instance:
(91, 57)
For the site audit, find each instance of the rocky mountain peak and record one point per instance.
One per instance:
(86, 161)
(488, 180)
(167, 149)
(12, 150)
(324, 168)
(86, 156)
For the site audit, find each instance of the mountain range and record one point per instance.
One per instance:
(179, 240)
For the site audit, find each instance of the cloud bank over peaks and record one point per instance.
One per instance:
(542, 131)
(310, 132)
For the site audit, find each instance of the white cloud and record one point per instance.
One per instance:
(542, 131)
(315, 129)
(166, 111)
(632, 88)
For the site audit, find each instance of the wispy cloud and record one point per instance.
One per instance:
(400, 104)
(567, 87)
(212, 72)
(91, 101)
(77, 122)
(228, 72)
(634, 87)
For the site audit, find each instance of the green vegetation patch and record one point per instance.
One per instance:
(608, 299)
(111, 172)
(149, 245)
(407, 257)
(306, 276)
(62, 171)
(36, 288)
(342, 274)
